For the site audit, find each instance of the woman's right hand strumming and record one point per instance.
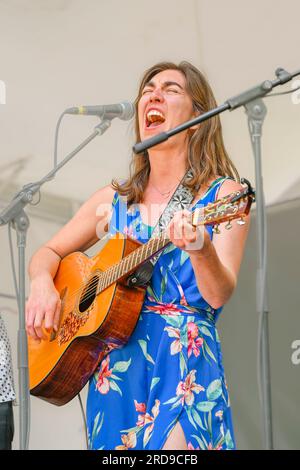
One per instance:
(42, 307)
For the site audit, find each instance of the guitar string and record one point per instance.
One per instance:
(112, 269)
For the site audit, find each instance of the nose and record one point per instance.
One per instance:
(156, 95)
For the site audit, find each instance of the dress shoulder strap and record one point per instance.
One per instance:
(219, 184)
(213, 190)
(115, 199)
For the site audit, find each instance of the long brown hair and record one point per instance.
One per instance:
(207, 156)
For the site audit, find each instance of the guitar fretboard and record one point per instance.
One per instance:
(131, 261)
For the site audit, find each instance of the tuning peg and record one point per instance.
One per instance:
(228, 226)
(241, 221)
(216, 229)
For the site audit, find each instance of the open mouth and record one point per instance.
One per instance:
(154, 118)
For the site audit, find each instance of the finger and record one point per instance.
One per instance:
(48, 323)
(195, 239)
(38, 323)
(57, 315)
(176, 237)
(30, 323)
(187, 214)
(182, 214)
(178, 229)
(178, 216)
(189, 235)
(170, 230)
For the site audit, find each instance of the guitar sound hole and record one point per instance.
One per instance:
(89, 294)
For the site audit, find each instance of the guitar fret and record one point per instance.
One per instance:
(118, 269)
(166, 239)
(134, 258)
(152, 246)
(147, 245)
(155, 244)
(121, 270)
(129, 264)
(103, 282)
(115, 271)
(126, 263)
(100, 282)
(143, 250)
(112, 274)
(109, 276)
(140, 255)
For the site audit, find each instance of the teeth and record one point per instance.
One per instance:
(152, 113)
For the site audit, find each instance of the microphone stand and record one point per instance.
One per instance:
(256, 111)
(15, 216)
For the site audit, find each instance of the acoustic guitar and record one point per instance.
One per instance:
(99, 311)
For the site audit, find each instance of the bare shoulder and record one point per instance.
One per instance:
(102, 195)
(229, 186)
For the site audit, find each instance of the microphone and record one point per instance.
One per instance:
(124, 110)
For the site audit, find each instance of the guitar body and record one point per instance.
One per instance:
(90, 325)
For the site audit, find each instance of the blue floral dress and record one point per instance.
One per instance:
(171, 369)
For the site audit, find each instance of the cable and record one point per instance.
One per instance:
(84, 421)
(282, 93)
(38, 201)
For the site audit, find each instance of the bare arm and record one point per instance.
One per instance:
(216, 265)
(78, 234)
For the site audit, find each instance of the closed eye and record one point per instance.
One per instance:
(146, 91)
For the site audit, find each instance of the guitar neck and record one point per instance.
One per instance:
(132, 261)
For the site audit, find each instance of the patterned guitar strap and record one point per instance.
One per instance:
(181, 199)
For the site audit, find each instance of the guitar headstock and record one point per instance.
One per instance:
(235, 205)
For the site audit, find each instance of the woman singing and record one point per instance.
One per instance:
(166, 388)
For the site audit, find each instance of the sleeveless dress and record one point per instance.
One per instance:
(171, 369)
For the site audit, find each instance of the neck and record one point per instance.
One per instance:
(167, 166)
